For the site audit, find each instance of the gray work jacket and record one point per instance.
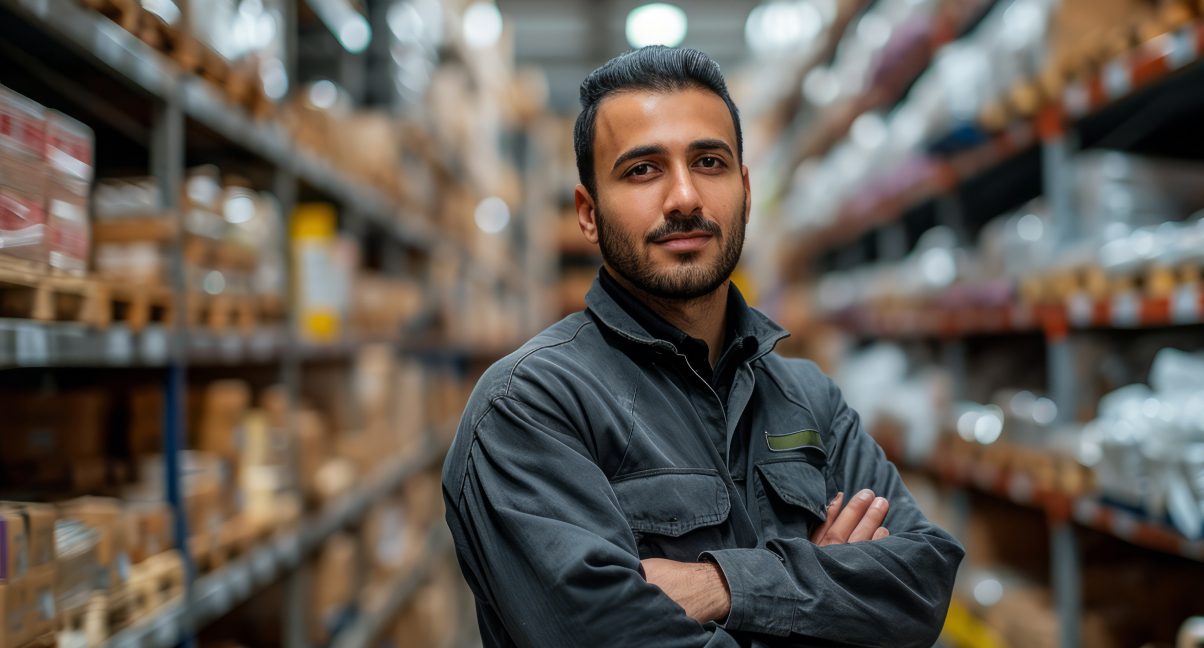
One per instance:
(595, 445)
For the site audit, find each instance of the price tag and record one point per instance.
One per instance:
(119, 345)
(1181, 48)
(1086, 510)
(231, 347)
(1118, 79)
(154, 345)
(240, 580)
(1080, 309)
(1126, 310)
(1021, 488)
(1124, 525)
(1076, 99)
(263, 563)
(290, 549)
(33, 345)
(1185, 305)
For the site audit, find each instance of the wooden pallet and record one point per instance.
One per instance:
(155, 582)
(137, 305)
(31, 291)
(236, 538)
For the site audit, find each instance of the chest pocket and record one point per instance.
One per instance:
(792, 497)
(675, 513)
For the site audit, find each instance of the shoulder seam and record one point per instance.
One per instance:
(519, 362)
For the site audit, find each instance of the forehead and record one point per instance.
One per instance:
(648, 117)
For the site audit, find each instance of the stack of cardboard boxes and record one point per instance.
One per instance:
(45, 171)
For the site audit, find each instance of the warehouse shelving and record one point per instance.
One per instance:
(1093, 106)
(1078, 312)
(1125, 104)
(178, 107)
(1021, 488)
(217, 593)
(360, 634)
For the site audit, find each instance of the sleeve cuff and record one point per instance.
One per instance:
(755, 606)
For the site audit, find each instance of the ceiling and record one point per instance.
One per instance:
(569, 38)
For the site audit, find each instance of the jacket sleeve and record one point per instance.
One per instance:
(889, 592)
(541, 538)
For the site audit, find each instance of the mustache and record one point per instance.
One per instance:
(677, 225)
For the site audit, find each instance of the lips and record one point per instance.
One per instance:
(685, 241)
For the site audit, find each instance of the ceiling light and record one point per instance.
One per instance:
(355, 34)
(492, 215)
(657, 23)
(482, 25)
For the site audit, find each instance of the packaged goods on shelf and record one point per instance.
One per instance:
(878, 383)
(381, 305)
(1147, 444)
(45, 172)
(231, 236)
(323, 272)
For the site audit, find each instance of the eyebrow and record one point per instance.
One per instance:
(656, 149)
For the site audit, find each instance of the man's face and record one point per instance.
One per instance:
(672, 200)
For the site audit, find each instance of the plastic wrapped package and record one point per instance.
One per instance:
(1147, 444)
(79, 569)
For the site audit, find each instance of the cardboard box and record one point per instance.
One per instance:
(40, 611)
(224, 405)
(31, 546)
(104, 515)
(147, 529)
(14, 604)
(14, 544)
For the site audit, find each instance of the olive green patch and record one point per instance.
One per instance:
(794, 440)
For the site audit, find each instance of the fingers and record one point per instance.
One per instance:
(871, 521)
(881, 533)
(848, 519)
(833, 508)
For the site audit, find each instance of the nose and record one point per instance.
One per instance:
(682, 198)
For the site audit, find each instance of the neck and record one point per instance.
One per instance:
(703, 317)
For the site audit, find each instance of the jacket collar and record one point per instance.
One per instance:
(746, 321)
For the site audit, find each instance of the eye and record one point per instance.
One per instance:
(641, 169)
(710, 162)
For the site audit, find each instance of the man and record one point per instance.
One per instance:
(648, 472)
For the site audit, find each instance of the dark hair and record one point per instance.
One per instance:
(656, 68)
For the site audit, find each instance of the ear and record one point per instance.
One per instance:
(747, 192)
(585, 213)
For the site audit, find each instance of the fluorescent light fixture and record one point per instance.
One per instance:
(492, 215)
(482, 25)
(656, 23)
(349, 26)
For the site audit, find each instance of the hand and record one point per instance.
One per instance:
(699, 588)
(861, 520)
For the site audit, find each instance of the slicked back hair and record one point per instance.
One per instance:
(654, 68)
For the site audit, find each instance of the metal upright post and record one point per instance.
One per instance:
(167, 167)
(1058, 178)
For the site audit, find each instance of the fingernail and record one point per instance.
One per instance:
(833, 502)
(865, 495)
(879, 503)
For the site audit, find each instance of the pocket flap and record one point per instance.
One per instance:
(799, 483)
(672, 503)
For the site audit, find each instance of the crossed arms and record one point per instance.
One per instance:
(545, 546)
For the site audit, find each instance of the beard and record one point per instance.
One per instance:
(686, 279)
